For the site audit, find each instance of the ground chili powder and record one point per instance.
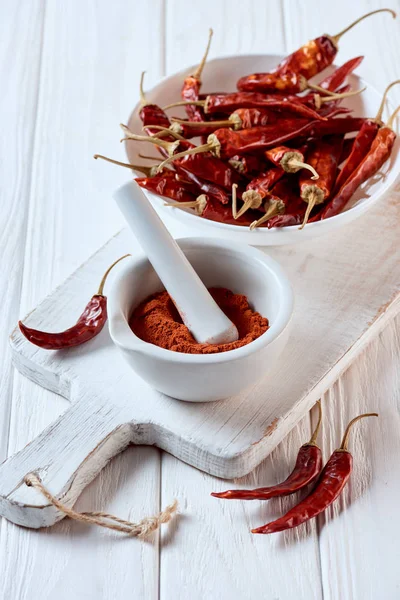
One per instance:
(157, 321)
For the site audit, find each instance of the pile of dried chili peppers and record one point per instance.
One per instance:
(280, 151)
(330, 481)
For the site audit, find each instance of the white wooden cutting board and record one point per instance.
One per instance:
(346, 288)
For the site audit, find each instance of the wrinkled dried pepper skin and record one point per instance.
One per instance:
(228, 103)
(332, 126)
(307, 61)
(324, 157)
(249, 165)
(281, 83)
(205, 187)
(209, 167)
(264, 183)
(190, 92)
(333, 479)
(259, 139)
(89, 324)
(295, 208)
(152, 114)
(360, 148)
(333, 81)
(222, 213)
(256, 117)
(307, 468)
(310, 59)
(167, 186)
(379, 153)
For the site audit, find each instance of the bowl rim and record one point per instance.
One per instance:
(192, 220)
(119, 327)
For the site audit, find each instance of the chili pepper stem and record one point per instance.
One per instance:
(103, 281)
(392, 118)
(199, 204)
(320, 89)
(251, 199)
(197, 74)
(234, 200)
(201, 103)
(314, 436)
(276, 207)
(204, 148)
(143, 101)
(170, 147)
(293, 162)
(312, 200)
(381, 108)
(217, 124)
(319, 101)
(145, 156)
(148, 171)
(345, 440)
(337, 37)
(298, 164)
(164, 131)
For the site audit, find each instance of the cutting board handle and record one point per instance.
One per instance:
(66, 456)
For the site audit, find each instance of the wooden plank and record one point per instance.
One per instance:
(89, 76)
(213, 552)
(18, 103)
(242, 28)
(359, 533)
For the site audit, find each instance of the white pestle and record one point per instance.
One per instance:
(198, 310)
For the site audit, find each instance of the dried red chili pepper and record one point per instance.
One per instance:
(307, 468)
(346, 150)
(333, 81)
(291, 74)
(206, 187)
(151, 114)
(215, 211)
(273, 207)
(362, 142)
(227, 103)
(378, 154)
(287, 190)
(89, 324)
(166, 185)
(333, 479)
(191, 87)
(206, 167)
(290, 160)
(226, 143)
(241, 118)
(324, 157)
(248, 165)
(258, 189)
(287, 160)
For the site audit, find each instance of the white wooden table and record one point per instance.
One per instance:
(69, 74)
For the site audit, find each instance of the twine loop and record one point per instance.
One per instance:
(142, 529)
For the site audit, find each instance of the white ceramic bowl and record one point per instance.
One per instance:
(221, 75)
(203, 378)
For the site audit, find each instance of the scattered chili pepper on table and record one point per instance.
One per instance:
(307, 468)
(334, 477)
(89, 324)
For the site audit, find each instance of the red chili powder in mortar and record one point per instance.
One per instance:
(157, 321)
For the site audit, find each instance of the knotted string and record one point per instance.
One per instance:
(142, 529)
